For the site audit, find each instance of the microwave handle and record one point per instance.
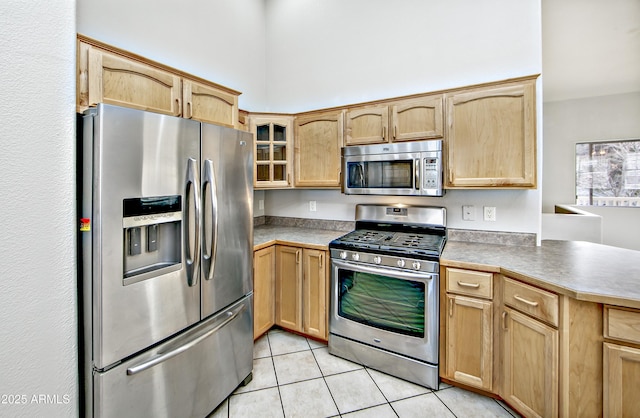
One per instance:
(417, 179)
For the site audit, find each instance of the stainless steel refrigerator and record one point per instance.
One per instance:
(166, 283)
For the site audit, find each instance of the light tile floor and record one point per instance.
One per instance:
(294, 376)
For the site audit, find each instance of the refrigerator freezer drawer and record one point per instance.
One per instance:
(187, 376)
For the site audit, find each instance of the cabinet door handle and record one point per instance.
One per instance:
(394, 132)
(189, 111)
(464, 284)
(298, 257)
(384, 132)
(450, 307)
(504, 320)
(523, 300)
(178, 110)
(321, 260)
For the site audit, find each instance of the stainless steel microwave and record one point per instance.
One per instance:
(395, 169)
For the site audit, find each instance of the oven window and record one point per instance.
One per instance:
(383, 302)
(380, 174)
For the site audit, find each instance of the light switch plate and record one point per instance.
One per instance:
(312, 206)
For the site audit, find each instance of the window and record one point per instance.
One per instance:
(608, 173)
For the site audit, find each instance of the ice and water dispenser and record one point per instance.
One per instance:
(151, 233)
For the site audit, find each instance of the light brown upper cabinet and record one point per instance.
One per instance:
(490, 138)
(403, 120)
(110, 75)
(318, 140)
(368, 125)
(273, 156)
(419, 118)
(209, 104)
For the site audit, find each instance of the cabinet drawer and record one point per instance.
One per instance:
(469, 282)
(622, 324)
(531, 300)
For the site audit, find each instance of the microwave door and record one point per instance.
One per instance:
(356, 176)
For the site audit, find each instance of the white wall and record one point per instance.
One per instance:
(218, 40)
(38, 335)
(324, 53)
(591, 119)
(512, 206)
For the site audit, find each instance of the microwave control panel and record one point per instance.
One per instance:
(431, 173)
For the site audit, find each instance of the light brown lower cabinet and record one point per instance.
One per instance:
(621, 381)
(530, 365)
(301, 290)
(264, 290)
(621, 362)
(469, 336)
(315, 293)
(539, 351)
(289, 287)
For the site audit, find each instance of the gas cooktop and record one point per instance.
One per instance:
(391, 242)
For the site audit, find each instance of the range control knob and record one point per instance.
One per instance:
(401, 263)
(377, 259)
(355, 256)
(416, 265)
(343, 254)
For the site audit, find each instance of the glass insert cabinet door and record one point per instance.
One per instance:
(272, 151)
(382, 302)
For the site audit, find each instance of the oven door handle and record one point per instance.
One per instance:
(417, 171)
(381, 270)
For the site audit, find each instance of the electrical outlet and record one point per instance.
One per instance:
(261, 204)
(468, 213)
(312, 206)
(489, 213)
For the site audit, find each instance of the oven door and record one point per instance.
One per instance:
(385, 308)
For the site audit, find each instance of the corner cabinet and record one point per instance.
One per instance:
(301, 290)
(490, 138)
(289, 287)
(264, 290)
(318, 140)
(402, 120)
(106, 74)
(273, 153)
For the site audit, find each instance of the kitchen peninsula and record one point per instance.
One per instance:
(568, 306)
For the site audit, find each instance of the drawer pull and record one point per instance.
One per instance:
(523, 300)
(473, 285)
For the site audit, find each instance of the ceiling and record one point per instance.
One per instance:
(590, 48)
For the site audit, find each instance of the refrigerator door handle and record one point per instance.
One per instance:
(162, 357)
(209, 256)
(192, 256)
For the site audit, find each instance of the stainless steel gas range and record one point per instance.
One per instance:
(384, 291)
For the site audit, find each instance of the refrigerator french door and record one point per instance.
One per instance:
(166, 246)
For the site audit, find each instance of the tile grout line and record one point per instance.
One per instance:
(381, 391)
(276, 375)
(445, 405)
(325, 380)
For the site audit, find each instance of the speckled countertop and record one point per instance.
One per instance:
(582, 270)
(265, 235)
